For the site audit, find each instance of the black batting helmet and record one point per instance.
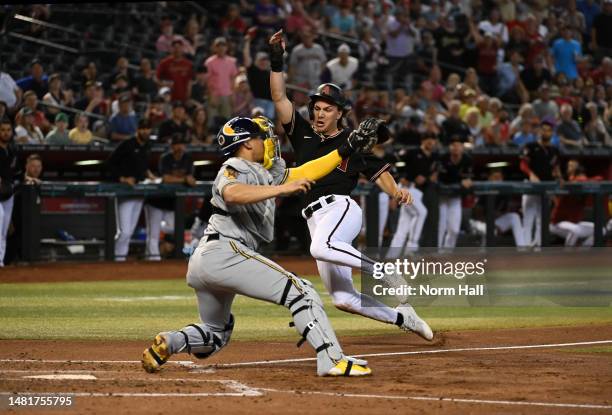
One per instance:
(332, 94)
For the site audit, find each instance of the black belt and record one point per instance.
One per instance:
(308, 212)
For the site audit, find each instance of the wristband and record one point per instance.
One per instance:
(276, 57)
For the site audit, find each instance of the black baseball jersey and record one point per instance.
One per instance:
(450, 173)
(8, 171)
(169, 165)
(129, 159)
(419, 164)
(309, 145)
(541, 160)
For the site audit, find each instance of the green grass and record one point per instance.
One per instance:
(98, 310)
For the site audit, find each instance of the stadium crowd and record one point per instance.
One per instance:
(450, 75)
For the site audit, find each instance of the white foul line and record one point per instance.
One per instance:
(441, 399)
(462, 349)
(191, 364)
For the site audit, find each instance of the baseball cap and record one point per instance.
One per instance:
(178, 104)
(344, 48)
(261, 55)
(240, 79)
(548, 121)
(220, 40)
(257, 111)
(164, 90)
(61, 117)
(125, 98)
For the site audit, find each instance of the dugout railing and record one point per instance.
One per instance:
(32, 213)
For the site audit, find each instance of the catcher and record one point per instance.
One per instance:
(226, 261)
(334, 219)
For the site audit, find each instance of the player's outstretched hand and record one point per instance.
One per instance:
(297, 186)
(277, 38)
(277, 51)
(403, 197)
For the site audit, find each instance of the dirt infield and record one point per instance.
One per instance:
(463, 372)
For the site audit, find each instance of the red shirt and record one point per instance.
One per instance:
(487, 59)
(180, 72)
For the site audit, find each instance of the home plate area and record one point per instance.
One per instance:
(500, 371)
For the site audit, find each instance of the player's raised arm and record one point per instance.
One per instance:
(284, 107)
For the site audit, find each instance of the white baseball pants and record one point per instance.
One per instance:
(6, 210)
(128, 212)
(449, 221)
(532, 213)
(155, 218)
(332, 230)
(410, 222)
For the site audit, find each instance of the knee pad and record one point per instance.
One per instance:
(202, 341)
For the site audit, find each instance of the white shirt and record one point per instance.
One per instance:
(342, 75)
(7, 89)
(498, 29)
(35, 138)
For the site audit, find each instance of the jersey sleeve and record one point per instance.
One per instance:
(296, 129)
(229, 175)
(279, 171)
(374, 167)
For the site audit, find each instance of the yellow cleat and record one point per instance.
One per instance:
(156, 355)
(348, 368)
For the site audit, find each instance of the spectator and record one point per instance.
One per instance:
(566, 52)
(193, 36)
(426, 55)
(589, 9)
(242, 98)
(31, 101)
(368, 104)
(534, 76)
(122, 69)
(56, 96)
(454, 125)
(344, 22)
(494, 27)
(10, 93)
(574, 19)
(488, 49)
(400, 46)
(177, 124)
(568, 130)
(450, 43)
(92, 100)
(200, 135)
(433, 83)
(510, 87)
(306, 62)
(155, 113)
(601, 33)
(221, 72)
(485, 116)
(27, 132)
(33, 170)
(232, 24)
(145, 84)
(525, 113)
(472, 120)
(120, 89)
(123, 124)
(518, 42)
(81, 134)
(8, 167)
(198, 89)
(89, 73)
(176, 72)
(544, 107)
(267, 15)
(525, 134)
(165, 41)
(594, 129)
(37, 81)
(342, 69)
(258, 74)
(59, 134)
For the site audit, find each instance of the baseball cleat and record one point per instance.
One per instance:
(346, 367)
(357, 361)
(156, 355)
(412, 322)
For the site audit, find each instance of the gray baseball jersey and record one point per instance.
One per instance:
(251, 224)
